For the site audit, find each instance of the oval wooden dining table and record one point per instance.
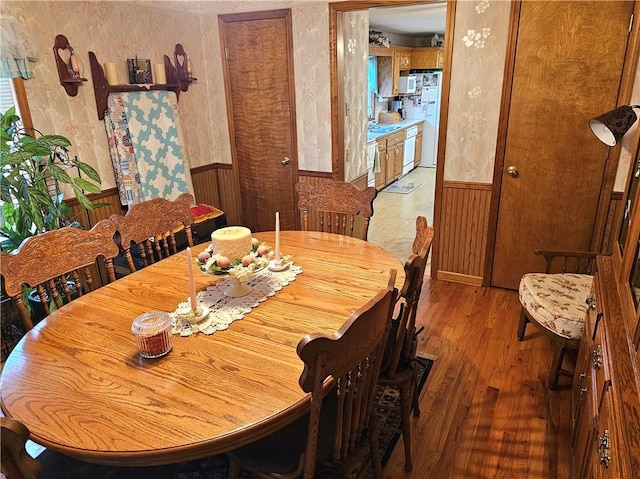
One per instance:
(78, 383)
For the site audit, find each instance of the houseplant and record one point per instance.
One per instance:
(33, 167)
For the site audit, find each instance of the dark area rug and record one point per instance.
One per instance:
(56, 466)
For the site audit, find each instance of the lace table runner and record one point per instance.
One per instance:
(225, 310)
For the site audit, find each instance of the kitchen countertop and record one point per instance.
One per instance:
(373, 135)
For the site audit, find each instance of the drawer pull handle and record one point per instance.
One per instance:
(595, 326)
(583, 391)
(603, 449)
(591, 301)
(597, 357)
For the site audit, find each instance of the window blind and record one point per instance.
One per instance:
(7, 96)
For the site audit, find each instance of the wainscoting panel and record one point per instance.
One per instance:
(216, 185)
(205, 185)
(463, 231)
(91, 217)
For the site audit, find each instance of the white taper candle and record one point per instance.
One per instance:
(192, 283)
(277, 236)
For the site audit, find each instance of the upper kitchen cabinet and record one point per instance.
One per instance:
(388, 71)
(405, 60)
(389, 65)
(429, 57)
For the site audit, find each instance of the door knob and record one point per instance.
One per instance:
(286, 161)
(512, 171)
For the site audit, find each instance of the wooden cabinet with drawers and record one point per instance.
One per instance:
(390, 156)
(605, 439)
(381, 176)
(418, 156)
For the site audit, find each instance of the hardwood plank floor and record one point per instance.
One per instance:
(486, 409)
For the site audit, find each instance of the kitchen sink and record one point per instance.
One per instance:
(384, 129)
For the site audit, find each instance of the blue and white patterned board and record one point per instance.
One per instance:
(161, 163)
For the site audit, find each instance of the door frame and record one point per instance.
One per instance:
(604, 200)
(337, 97)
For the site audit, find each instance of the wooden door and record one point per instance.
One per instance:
(258, 63)
(568, 66)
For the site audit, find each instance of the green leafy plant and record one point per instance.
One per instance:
(33, 166)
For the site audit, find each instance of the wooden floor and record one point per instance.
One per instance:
(486, 409)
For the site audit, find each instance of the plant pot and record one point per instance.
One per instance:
(38, 311)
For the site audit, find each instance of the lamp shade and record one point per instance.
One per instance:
(612, 125)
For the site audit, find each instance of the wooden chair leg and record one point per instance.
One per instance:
(234, 469)
(522, 326)
(556, 364)
(415, 394)
(374, 447)
(405, 407)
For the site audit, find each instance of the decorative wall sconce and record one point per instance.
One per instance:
(183, 67)
(68, 65)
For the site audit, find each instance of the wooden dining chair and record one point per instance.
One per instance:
(556, 301)
(340, 371)
(399, 364)
(147, 232)
(15, 462)
(334, 206)
(58, 264)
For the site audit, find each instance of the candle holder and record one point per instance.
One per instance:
(278, 265)
(236, 288)
(68, 69)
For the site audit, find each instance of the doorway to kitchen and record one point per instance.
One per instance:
(417, 27)
(393, 223)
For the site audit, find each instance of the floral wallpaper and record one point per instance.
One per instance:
(116, 31)
(313, 87)
(356, 53)
(479, 48)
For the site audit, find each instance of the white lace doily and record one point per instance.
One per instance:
(225, 310)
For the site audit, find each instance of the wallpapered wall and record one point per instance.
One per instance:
(479, 48)
(356, 52)
(116, 31)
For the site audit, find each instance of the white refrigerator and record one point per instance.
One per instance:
(425, 105)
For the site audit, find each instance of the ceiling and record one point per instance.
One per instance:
(410, 20)
(417, 20)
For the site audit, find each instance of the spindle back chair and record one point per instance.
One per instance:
(150, 229)
(58, 264)
(341, 427)
(399, 365)
(335, 205)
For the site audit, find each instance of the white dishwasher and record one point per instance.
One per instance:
(409, 149)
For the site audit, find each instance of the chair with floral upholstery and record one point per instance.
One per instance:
(556, 302)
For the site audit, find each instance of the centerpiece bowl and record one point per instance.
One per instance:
(237, 270)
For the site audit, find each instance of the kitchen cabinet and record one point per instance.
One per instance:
(381, 176)
(390, 155)
(428, 57)
(405, 60)
(395, 79)
(389, 62)
(418, 156)
(395, 152)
